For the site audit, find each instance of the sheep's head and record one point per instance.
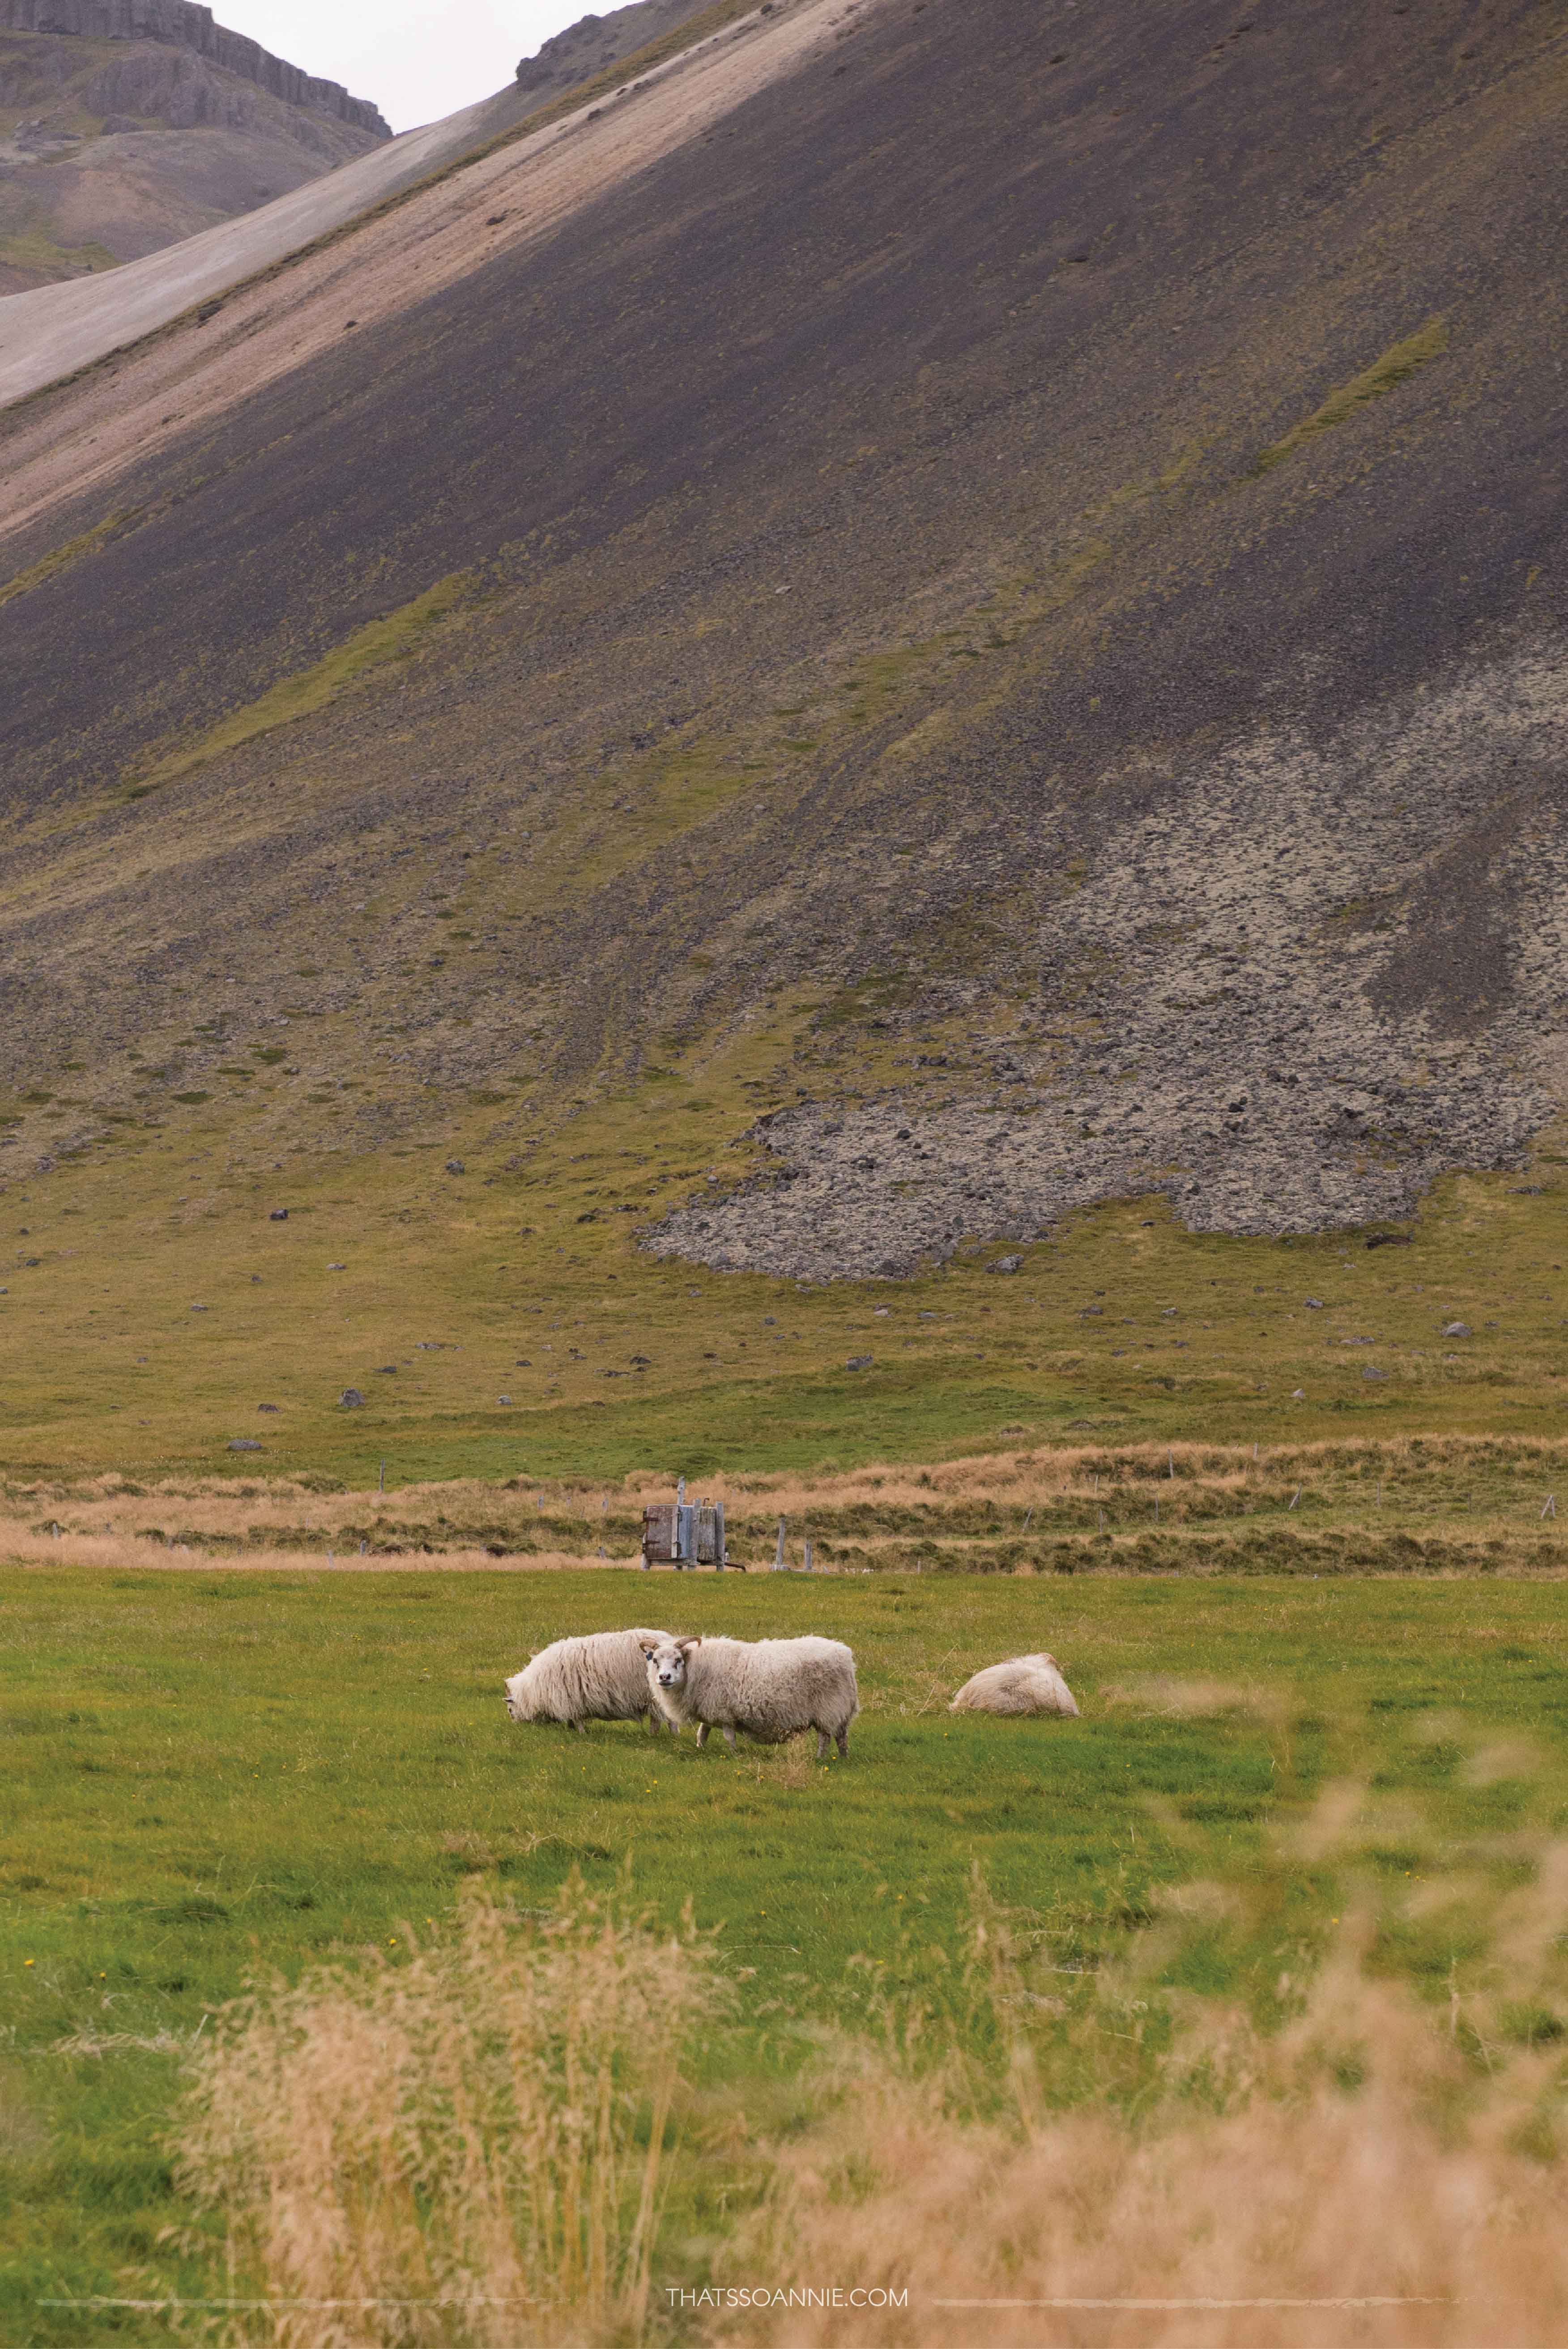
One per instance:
(666, 1662)
(516, 1700)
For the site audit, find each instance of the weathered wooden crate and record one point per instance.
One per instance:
(659, 1534)
(683, 1534)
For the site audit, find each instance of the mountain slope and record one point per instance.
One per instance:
(123, 132)
(992, 597)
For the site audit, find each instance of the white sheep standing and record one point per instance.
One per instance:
(600, 1677)
(769, 1688)
(1023, 1684)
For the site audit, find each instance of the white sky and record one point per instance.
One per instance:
(415, 63)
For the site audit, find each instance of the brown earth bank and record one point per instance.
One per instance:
(1033, 542)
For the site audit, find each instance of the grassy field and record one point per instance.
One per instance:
(503, 1321)
(210, 1776)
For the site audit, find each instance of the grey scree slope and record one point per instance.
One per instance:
(1269, 1061)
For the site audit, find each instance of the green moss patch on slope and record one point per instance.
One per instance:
(370, 648)
(85, 543)
(1398, 362)
(32, 249)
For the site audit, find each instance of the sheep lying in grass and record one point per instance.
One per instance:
(769, 1688)
(1023, 1684)
(602, 1677)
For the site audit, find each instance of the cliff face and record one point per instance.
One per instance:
(186, 24)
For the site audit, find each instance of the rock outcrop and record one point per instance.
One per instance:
(186, 25)
(595, 42)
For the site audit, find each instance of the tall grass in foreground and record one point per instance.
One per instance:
(465, 2142)
(1377, 2170)
(1037, 2120)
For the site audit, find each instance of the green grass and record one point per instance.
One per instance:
(482, 1285)
(59, 557)
(209, 1777)
(33, 248)
(392, 637)
(1398, 361)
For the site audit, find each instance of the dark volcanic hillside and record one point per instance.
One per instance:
(1005, 590)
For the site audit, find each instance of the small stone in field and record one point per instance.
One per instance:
(455, 1166)
(1006, 1263)
(1313, 1304)
(1370, 1374)
(350, 1399)
(278, 1216)
(386, 1371)
(1299, 1395)
(337, 1267)
(244, 1443)
(198, 1309)
(1455, 1330)
(859, 1363)
(503, 1399)
(269, 1406)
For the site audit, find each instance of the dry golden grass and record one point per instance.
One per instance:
(1356, 2208)
(1379, 2171)
(471, 2144)
(459, 2141)
(130, 1551)
(1475, 1503)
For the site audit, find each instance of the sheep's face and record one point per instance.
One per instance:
(667, 1665)
(516, 1708)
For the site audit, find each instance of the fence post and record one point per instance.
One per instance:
(778, 1567)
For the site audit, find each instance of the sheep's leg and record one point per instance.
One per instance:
(580, 1727)
(672, 1726)
(702, 1733)
(842, 1738)
(821, 1744)
(729, 1737)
